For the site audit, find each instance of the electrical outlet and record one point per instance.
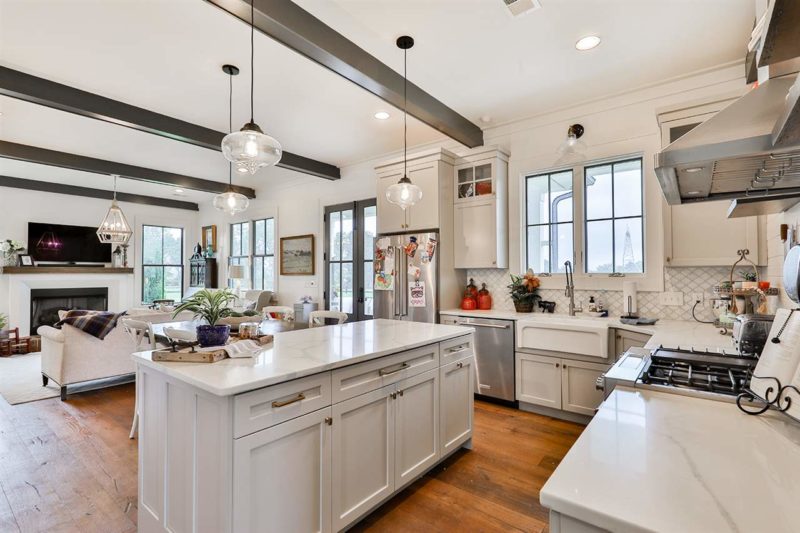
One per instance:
(671, 298)
(311, 283)
(698, 297)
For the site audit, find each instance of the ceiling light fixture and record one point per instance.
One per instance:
(693, 169)
(381, 115)
(230, 201)
(572, 149)
(404, 193)
(587, 43)
(250, 148)
(114, 228)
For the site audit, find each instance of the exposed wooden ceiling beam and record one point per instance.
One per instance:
(86, 192)
(22, 86)
(299, 30)
(43, 156)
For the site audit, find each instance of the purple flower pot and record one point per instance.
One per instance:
(213, 335)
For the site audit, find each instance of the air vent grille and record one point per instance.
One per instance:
(520, 7)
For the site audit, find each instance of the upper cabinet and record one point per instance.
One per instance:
(480, 218)
(432, 171)
(701, 234)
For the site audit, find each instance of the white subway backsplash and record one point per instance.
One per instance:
(687, 280)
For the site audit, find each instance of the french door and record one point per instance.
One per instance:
(349, 243)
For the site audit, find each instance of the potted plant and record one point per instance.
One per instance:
(210, 306)
(523, 290)
(750, 279)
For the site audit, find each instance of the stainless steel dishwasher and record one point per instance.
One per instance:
(494, 355)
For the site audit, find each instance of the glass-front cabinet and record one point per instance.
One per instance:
(475, 180)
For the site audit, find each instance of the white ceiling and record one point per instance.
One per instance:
(165, 55)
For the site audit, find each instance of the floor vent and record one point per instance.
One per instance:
(520, 7)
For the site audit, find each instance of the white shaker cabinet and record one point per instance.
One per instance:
(539, 380)
(701, 234)
(416, 426)
(579, 392)
(283, 476)
(480, 220)
(363, 454)
(457, 403)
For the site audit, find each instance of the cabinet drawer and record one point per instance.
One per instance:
(263, 408)
(365, 377)
(457, 349)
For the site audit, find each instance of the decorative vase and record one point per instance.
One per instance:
(525, 306)
(213, 335)
(10, 259)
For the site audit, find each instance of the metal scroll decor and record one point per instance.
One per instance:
(781, 401)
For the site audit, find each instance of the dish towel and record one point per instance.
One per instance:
(246, 348)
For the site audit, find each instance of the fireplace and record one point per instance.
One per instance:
(46, 303)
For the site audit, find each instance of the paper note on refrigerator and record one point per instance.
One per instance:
(416, 294)
(384, 281)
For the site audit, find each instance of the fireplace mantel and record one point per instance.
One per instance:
(66, 270)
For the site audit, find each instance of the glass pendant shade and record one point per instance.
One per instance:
(404, 193)
(572, 149)
(231, 202)
(250, 149)
(115, 228)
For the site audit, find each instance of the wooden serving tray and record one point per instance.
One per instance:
(186, 355)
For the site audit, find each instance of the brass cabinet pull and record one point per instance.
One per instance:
(329, 420)
(299, 398)
(400, 392)
(556, 365)
(457, 348)
(393, 395)
(459, 365)
(384, 372)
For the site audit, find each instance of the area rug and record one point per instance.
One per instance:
(21, 379)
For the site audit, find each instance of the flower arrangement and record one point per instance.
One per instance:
(523, 290)
(9, 249)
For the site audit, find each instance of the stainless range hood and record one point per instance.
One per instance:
(750, 149)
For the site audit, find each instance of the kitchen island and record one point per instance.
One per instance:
(311, 434)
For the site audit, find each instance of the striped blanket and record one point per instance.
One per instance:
(95, 323)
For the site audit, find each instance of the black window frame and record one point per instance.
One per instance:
(552, 226)
(239, 259)
(613, 219)
(263, 256)
(162, 265)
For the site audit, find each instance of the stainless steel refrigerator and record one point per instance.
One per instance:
(406, 278)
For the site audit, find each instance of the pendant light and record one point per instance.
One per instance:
(115, 228)
(250, 149)
(230, 201)
(404, 193)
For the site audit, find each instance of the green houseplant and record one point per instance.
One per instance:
(209, 306)
(523, 290)
(3, 324)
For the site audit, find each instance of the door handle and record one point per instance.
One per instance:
(361, 295)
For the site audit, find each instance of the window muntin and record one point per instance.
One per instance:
(613, 211)
(263, 275)
(240, 251)
(549, 221)
(162, 263)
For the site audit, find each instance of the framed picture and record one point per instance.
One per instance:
(25, 260)
(297, 255)
(210, 237)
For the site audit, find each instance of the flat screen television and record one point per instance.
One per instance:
(66, 244)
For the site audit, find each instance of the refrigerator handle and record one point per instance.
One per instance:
(397, 308)
(405, 284)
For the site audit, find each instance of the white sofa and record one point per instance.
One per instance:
(71, 356)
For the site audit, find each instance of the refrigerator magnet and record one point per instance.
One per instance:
(414, 272)
(384, 281)
(416, 294)
(430, 248)
(380, 254)
(411, 247)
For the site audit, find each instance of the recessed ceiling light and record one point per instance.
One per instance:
(486, 119)
(693, 193)
(381, 115)
(587, 43)
(693, 169)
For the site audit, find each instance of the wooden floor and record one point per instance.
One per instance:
(69, 466)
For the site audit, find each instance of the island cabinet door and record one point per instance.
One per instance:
(363, 454)
(282, 477)
(457, 399)
(417, 426)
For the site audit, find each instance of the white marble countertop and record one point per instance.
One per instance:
(653, 461)
(667, 333)
(295, 354)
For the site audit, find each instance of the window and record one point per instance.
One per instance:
(240, 249)
(549, 221)
(350, 231)
(614, 240)
(162, 263)
(264, 254)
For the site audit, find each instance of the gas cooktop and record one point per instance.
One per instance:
(698, 370)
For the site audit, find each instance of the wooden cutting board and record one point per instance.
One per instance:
(186, 355)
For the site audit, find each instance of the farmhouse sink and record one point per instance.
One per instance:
(581, 336)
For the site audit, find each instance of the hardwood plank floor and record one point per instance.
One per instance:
(69, 466)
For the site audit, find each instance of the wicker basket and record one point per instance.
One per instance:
(524, 307)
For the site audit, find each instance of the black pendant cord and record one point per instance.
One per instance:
(252, 54)
(230, 124)
(777, 338)
(405, 112)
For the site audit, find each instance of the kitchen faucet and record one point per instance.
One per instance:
(570, 291)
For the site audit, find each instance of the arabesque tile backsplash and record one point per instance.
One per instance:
(687, 280)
